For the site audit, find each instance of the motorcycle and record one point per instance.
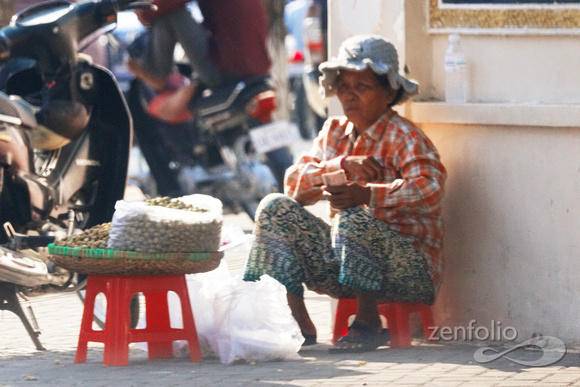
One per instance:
(65, 140)
(232, 149)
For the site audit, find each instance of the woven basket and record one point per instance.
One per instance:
(116, 262)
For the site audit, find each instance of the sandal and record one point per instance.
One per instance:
(366, 340)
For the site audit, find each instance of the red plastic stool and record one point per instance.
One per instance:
(118, 334)
(397, 315)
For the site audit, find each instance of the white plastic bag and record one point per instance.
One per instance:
(206, 292)
(238, 320)
(259, 325)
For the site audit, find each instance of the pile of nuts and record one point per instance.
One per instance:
(143, 234)
(176, 204)
(93, 238)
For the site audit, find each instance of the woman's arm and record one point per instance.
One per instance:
(303, 180)
(420, 185)
(401, 171)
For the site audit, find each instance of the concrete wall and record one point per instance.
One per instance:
(512, 205)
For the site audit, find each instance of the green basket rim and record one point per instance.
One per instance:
(79, 252)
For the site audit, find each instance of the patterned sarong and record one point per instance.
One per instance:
(357, 251)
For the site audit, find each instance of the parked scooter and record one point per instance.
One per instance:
(65, 138)
(232, 149)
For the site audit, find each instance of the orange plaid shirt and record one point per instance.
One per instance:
(407, 199)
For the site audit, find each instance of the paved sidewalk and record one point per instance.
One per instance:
(440, 364)
(423, 364)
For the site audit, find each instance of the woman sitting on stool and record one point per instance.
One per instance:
(385, 240)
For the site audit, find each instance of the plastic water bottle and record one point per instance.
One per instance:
(455, 72)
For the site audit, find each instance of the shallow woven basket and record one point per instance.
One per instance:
(116, 262)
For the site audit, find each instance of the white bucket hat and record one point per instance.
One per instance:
(362, 51)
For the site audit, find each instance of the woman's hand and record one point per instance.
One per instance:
(348, 195)
(365, 168)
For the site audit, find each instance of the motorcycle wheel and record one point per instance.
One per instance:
(101, 307)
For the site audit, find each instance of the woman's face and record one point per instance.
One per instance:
(362, 97)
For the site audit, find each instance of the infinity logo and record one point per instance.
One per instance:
(553, 349)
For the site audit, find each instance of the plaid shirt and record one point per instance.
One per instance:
(408, 198)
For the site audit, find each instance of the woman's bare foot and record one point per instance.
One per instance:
(138, 70)
(300, 314)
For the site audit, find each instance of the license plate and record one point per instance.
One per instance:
(274, 135)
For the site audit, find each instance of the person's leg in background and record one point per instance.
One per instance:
(279, 160)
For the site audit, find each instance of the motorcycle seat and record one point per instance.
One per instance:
(232, 96)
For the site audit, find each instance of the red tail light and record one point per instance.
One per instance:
(261, 106)
(296, 57)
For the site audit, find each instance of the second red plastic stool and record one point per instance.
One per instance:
(397, 315)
